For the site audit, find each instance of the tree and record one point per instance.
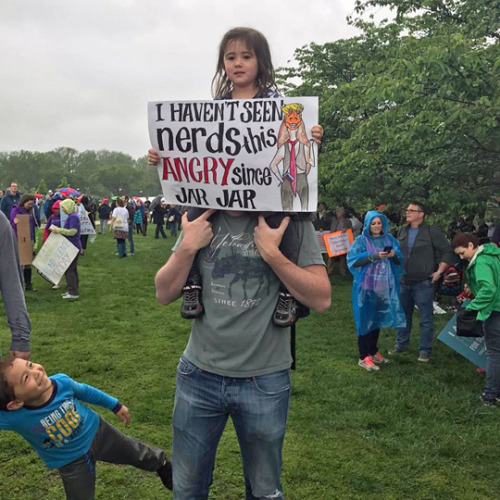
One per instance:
(411, 107)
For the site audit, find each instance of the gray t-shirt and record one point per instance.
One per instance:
(235, 336)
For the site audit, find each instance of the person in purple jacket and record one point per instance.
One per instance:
(71, 230)
(25, 207)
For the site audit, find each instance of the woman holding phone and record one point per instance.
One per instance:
(375, 260)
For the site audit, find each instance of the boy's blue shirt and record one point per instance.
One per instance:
(62, 429)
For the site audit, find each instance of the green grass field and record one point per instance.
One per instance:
(410, 431)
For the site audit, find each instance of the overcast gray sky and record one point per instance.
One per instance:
(79, 73)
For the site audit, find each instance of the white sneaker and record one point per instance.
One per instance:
(56, 287)
(69, 296)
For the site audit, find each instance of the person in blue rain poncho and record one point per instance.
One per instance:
(375, 260)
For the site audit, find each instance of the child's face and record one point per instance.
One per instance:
(240, 64)
(29, 382)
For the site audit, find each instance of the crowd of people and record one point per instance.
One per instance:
(237, 361)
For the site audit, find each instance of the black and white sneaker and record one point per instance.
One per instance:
(286, 312)
(192, 306)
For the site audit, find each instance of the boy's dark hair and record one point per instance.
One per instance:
(6, 392)
(256, 41)
(463, 240)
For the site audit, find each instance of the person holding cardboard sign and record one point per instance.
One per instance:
(21, 213)
(71, 230)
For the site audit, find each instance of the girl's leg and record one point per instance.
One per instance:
(364, 343)
(374, 335)
(71, 276)
(120, 245)
(27, 271)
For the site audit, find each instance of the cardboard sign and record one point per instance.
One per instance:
(24, 239)
(320, 236)
(472, 348)
(254, 154)
(339, 242)
(54, 258)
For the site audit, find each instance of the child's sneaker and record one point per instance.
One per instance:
(379, 359)
(368, 364)
(165, 474)
(192, 306)
(286, 312)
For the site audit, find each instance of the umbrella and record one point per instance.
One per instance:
(136, 198)
(114, 198)
(68, 191)
(155, 202)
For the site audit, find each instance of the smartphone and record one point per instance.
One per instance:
(387, 248)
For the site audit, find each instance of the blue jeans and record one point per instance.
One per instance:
(258, 407)
(159, 230)
(131, 237)
(122, 249)
(422, 295)
(491, 329)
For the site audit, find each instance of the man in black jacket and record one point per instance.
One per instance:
(423, 247)
(10, 198)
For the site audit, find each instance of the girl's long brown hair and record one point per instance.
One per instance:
(256, 41)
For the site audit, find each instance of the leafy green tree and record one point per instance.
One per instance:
(42, 187)
(410, 107)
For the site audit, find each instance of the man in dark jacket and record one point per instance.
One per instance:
(104, 212)
(9, 199)
(423, 247)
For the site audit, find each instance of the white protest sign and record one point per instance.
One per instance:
(86, 226)
(243, 154)
(54, 258)
(339, 242)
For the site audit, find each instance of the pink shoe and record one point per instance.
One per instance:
(368, 364)
(379, 359)
(480, 370)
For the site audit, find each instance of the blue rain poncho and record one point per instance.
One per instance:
(375, 290)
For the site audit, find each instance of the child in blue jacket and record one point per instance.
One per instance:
(67, 435)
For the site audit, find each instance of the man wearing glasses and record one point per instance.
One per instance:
(424, 247)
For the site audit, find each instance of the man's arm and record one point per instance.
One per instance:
(309, 285)
(444, 253)
(172, 276)
(11, 288)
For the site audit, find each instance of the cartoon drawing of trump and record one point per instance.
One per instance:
(294, 150)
